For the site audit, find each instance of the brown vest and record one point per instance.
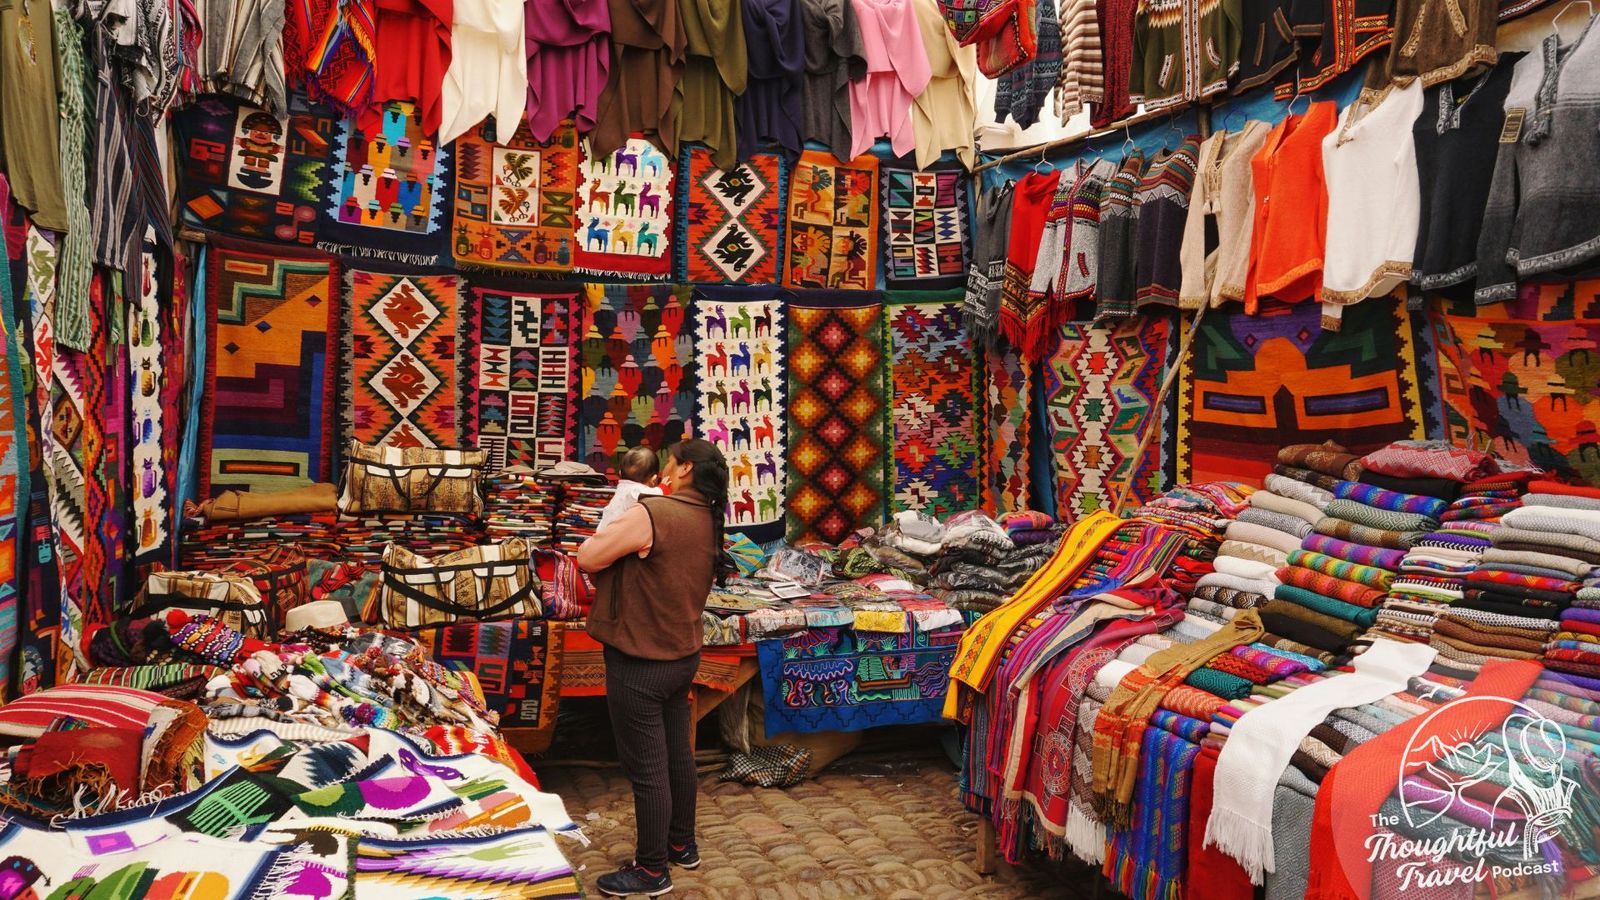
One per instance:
(650, 606)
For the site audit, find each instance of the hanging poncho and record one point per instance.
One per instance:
(488, 71)
(569, 54)
(713, 75)
(769, 109)
(413, 55)
(647, 58)
(329, 47)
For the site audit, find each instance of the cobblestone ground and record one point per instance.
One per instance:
(874, 825)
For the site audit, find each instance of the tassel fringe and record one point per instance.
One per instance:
(1249, 843)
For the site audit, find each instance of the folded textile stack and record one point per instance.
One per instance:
(1200, 513)
(1434, 573)
(316, 536)
(1028, 527)
(520, 505)
(579, 515)
(967, 573)
(363, 539)
(1575, 648)
(1259, 541)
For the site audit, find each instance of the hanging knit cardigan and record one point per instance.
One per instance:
(1215, 255)
(1030, 208)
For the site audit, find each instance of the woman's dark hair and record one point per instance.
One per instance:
(710, 479)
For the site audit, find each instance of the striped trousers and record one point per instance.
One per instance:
(649, 705)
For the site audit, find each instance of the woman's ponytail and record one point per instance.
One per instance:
(710, 479)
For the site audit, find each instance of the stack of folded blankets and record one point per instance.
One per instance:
(978, 566)
(315, 534)
(1201, 513)
(1331, 585)
(578, 517)
(1434, 573)
(1558, 530)
(364, 538)
(517, 504)
(1542, 554)
(1575, 648)
(1260, 541)
(1029, 527)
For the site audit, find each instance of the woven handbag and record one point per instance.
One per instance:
(382, 479)
(495, 581)
(279, 574)
(234, 600)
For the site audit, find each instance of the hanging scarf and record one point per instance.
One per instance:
(1122, 722)
(329, 47)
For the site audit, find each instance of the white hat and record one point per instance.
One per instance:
(316, 614)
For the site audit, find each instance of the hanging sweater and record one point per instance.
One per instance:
(1029, 209)
(1374, 200)
(1114, 21)
(834, 59)
(1291, 213)
(1543, 212)
(1020, 92)
(1184, 51)
(413, 56)
(1268, 50)
(1439, 40)
(993, 224)
(1045, 310)
(713, 76)
(1163, 204)
(769, 108)
(488, 71)
(568, 43)
(1456, 136)
(647, 50)
(943, 115)
(1332, 38)
(897, 71)
(1082, 77)
(1077, 279)
(29, 122)
(1119, 224)
(1216, 239)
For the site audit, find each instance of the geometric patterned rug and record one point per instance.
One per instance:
(514, 201)
(1523, 378)
(246, 172)
(519, 372)
(636, 370)
(927, 233)
(731, 221)
(272, 335)
(386, 190)
(1253, 384)
(741, 344)
(933, 384)
(399, 385)
(838, 456)
(1008, 403)
(1100, 388)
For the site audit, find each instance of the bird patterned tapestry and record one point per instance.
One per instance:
(519, 358)
(272, 338)
(740, 345)
(636, 369)
(246, 172)
(400, 374)
(933, 382)
(1253, 384)
(624, 224)
(515, 202)
(838, 459)
(730, 221)
(1100, 389)
(926, 226)
(1523, 378)
(833, 223)
(386, 191)
(1008, 393)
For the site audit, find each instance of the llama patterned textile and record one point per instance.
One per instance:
(624, 223)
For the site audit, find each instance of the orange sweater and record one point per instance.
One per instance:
(1291, 213)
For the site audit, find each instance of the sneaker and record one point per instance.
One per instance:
(685, 857)
(634, 879)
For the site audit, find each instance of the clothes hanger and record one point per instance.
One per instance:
(1043, 161)
(1298, 95)
(1555, 20)
(1128, 145)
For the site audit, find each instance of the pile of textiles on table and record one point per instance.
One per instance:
(374, 812)
(520, 504)
(979, 561)
(578, 516)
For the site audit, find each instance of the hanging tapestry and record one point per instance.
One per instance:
(14, 488)
(102, 374)
(741, 409)
(1100, 392)
(514, 202)
(1253, 384)
(932, 381)
(833, 223)
(927, 234)
(148, 341)
(624, 223)
(517, 664)
(247, 172)
(1523, 378)
(1008, 396)
(385, 191)
(59, 395)
(637, 370)
(400, 381)
(272, 338)
(519, 359)
(838, 458)
(840, 679)
(730, 222)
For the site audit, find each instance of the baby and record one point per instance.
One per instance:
(640, 475)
